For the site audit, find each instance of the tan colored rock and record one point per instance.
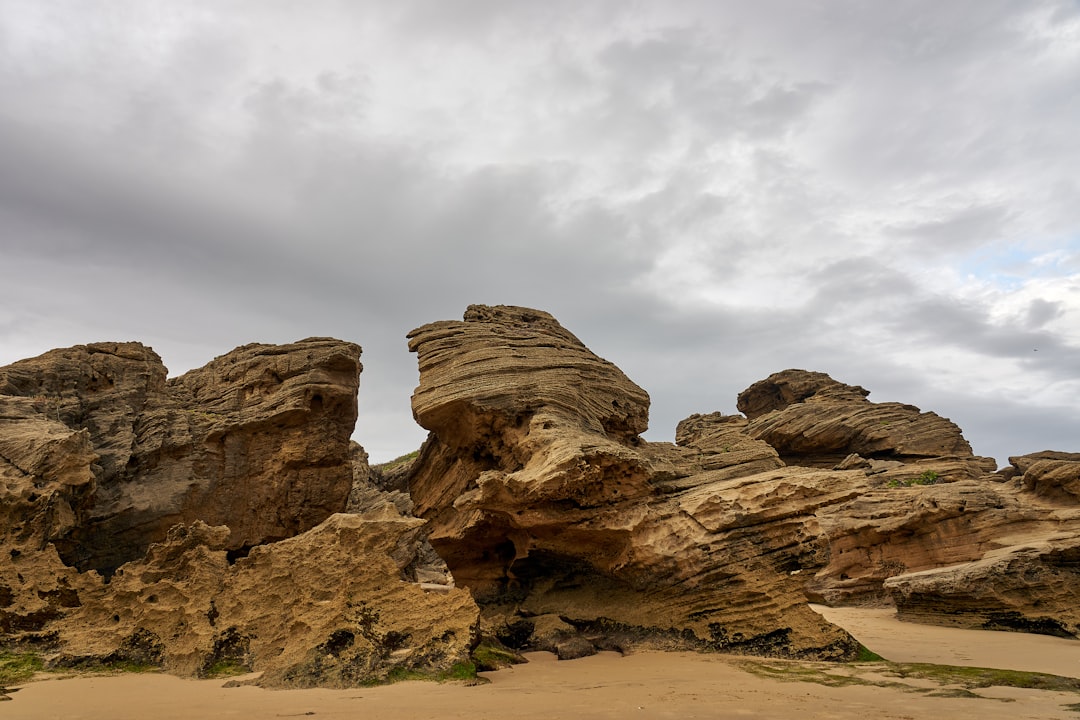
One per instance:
(541, 514)
(1051, 475)
(46, 486)
(99, 453)
(544, 501)
(885, 531)
(516, 362)
(811, 419)
(1030, 588)
(725, 445)
(1005, 561)
(257, 440)
(342, 620)
(373, 491)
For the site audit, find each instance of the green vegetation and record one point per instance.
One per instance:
(819, 673)
(493, 656)
(868, 655)
(225, 668)
(18, 667)
(928, 477)
(465, 671)
(404, 459)
(460, 671)
(975, 677)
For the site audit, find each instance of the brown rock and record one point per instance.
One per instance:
(46, 485)
(513, 362)
(885, 531)
(547, 515)
(1030, 588)
(971, 553)
(724, 445)
(99, 453)
(1007, 561)
(256, 440)
(811, 419)
(368, 489)
(346, 619)
(1051, 475)
(574, 648)
(543, 499)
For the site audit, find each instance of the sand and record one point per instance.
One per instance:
(643, 685)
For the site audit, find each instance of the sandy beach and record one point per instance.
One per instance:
(642, 685)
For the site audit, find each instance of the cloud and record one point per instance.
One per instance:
(704, 193)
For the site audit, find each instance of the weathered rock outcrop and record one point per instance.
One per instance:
(347, 618)
(246, 460)
(46, 484)
(925, 524)
(210, 503)
(545, 502)
(380, 488)
(1033, 587)
(258, 440)
(1051, 475)
(565, 524)
(1022, 565)
(811, 419)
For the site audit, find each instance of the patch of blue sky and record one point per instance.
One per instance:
(1010, 265)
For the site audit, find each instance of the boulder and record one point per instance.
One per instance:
(1051, 475)
(1033, 587)
(811, 419)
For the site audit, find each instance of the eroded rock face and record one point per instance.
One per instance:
(926, 525)
(46, 486)
(1033, 587)
(570, 527)
(346, 618)
(544, 501)
(258, 440)
(1020, 569)
(247, 460)
(1051, 475)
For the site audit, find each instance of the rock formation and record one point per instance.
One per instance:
(1023, 566)
(545, 502)
(205, 499)
(225, 519)
(811, 419)
(347, 618)
(567, 526)
(258, 440)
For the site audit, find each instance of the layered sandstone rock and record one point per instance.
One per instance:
(1022, 568)
(1031, 587)
(571, 531)
(811, 419)
(545, 502)
(257, 440)
(565, 524)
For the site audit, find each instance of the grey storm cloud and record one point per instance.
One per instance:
(703, 192)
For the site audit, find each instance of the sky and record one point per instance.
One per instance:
(704, 192)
